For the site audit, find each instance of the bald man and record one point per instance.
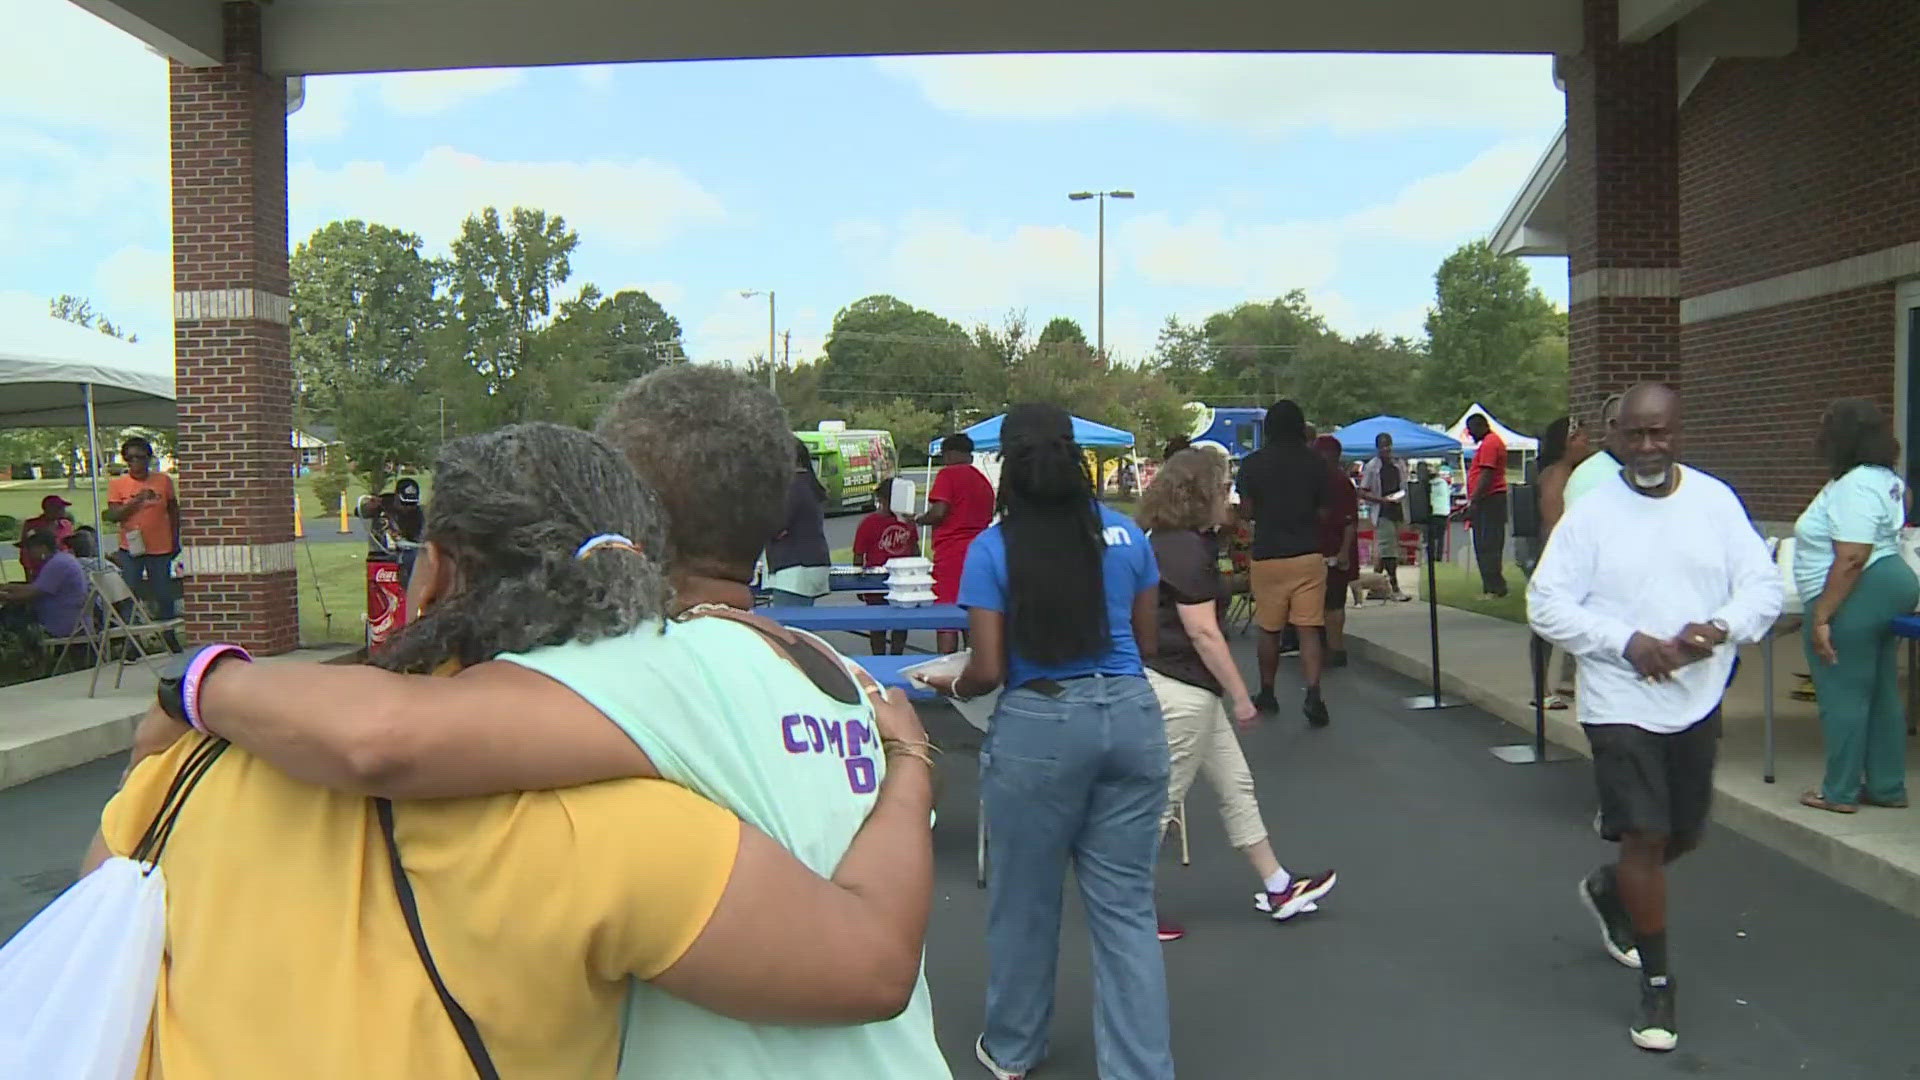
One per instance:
(1650, 582)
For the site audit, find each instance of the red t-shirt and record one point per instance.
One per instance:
(1490, 458)
(882, 536)
(969, 498)
(1343, 509)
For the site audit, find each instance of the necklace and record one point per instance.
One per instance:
(703, 609)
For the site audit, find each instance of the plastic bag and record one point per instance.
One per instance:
(77, 983)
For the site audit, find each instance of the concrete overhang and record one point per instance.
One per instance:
(314, 37)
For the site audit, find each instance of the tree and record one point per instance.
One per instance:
(883, 345)
(1487, 317)
(502, 283)
(913, 427)
(1064, 331)
(366, 309)
(631, 333)
(1338, 381)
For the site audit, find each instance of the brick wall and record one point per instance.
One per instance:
(1761, 381)
(1788, 164)
(232, 355)
(1806, 159)
(1622, 210)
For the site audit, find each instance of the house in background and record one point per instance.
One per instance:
(311, 445)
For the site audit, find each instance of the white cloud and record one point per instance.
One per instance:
(596, 76)
(1454, 205)
(1265, 93)
(635, 202)
(428, 93)
(666, 293)
(1208, 251)
(134, 287)
(936, 258)
(324, 111)
(62, 67)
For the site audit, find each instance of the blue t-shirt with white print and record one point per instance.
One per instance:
(1129, 567)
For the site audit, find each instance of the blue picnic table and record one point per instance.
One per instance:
(886, 671)
(865, 618)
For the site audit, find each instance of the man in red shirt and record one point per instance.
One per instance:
(1487, 504)
(54, 521)
(883, 535)
(960, 507)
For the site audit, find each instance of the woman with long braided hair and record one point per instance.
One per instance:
(1062, 597)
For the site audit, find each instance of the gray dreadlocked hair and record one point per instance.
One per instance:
(716, 447)
(511, 508)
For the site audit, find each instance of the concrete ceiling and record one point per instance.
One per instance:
(312, 37)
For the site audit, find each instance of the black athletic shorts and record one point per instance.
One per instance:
(1654, 783)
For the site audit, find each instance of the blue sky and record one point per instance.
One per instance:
(940, 180)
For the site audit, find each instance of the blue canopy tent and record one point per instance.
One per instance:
(1411, 441)
(986, 435)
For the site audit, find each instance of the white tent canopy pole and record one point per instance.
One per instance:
(93, 467)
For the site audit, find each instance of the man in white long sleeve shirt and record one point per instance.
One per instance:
(1650, 581)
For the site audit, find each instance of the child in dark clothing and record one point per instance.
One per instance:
(884, 535)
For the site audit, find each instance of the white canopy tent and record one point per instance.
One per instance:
(54, 373)
(1515, 441)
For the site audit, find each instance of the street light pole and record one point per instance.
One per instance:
(1100, 311)
(750, 294)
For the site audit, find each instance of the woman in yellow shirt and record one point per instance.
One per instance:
(288, 955)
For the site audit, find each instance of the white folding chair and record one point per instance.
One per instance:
(124, 619)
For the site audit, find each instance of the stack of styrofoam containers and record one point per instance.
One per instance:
(909, 582)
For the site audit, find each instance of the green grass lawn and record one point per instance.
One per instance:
(21, 499)
(333, 579)
(1460, 588)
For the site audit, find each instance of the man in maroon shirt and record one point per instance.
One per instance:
(960, 507)
(883, 536)
(1487, 504)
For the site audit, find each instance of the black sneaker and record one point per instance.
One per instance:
(1316, 710)
(1266, 702)
(1653, 1027)
(1616, 930)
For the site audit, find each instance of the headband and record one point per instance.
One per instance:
(605, 540)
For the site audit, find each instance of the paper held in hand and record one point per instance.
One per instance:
(978, 711)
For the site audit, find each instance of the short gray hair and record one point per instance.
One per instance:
(717, 448)
(511, 508)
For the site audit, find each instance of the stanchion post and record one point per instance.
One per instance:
(1539, 653)
(1435, 522)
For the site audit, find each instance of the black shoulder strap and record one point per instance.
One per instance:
(462, 1023)
(154, 841)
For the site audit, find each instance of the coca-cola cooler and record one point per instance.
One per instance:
(386, 599)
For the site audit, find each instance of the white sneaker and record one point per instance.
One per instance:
(1299, 897)
(980, 1051)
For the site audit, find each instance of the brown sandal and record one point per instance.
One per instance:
(1814, 799)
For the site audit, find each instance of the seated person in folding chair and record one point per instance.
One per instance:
(54, 600)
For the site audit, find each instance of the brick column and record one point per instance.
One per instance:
(233, 367)
(1623, 215)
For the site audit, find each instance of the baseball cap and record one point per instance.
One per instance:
(408, 491)
(54, 502)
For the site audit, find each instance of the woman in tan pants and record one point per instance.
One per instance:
(1194, 676)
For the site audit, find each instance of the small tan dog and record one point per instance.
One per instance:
(1370, 585)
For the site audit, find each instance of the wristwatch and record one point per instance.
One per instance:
(179, 691)
(1726, 632)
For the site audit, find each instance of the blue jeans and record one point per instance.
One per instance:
(1081, 777)
(151, 579)
(783, 598)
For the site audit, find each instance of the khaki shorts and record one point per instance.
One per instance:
(1290, 592)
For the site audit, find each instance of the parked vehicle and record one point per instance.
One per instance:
(850, 464)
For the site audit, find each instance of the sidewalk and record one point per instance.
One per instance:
(1483, 661)
(49, 725)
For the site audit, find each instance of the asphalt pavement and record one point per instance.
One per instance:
(1452, 948)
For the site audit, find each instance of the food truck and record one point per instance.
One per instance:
(849, 463)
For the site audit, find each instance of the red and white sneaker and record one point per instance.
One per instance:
(1171, 931)
(1298, 898)
(980, 1052)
